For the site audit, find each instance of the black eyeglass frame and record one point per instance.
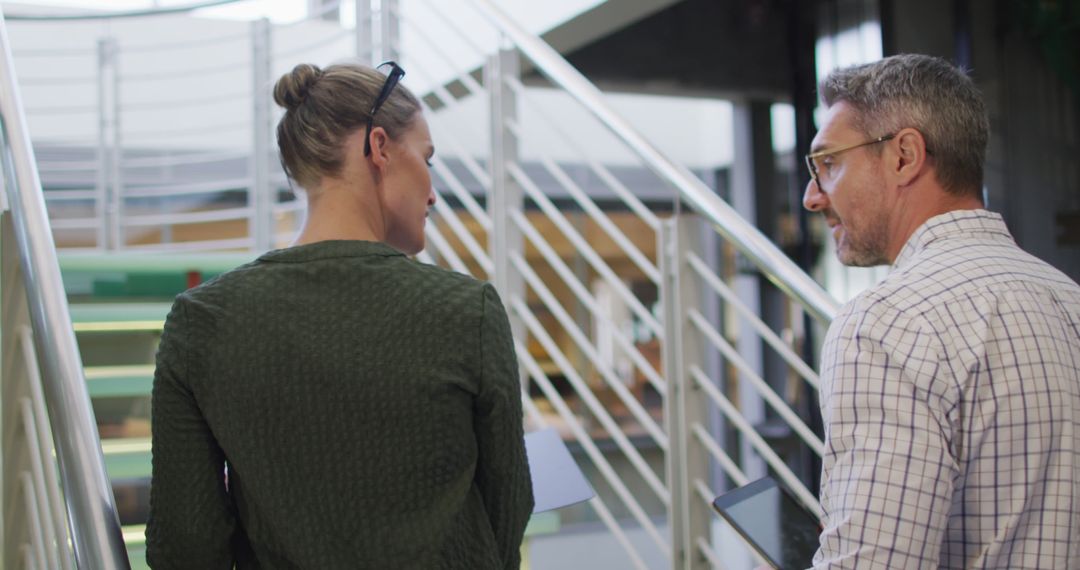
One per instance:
(392, 79)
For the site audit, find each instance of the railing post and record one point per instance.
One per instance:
(390, 31)
(506, 195)
(365, 41)
(261, 195)
(684, 405)
(109, 201)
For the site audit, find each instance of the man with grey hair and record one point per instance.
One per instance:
(951, 390)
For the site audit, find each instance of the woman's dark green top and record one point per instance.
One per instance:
(368, 408)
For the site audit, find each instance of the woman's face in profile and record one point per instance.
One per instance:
(408, 192)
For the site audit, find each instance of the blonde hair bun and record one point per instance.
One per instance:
(293, 87)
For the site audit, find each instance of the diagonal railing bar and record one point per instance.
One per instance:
(721, 457)
(451, 23)
(586, 347)
(580, 435)
(586, 298)
(553, 124)
(448, 138)
(591, 402)
(37, 540)
(732, 413)
(586, 442)
(767, 393)
(458, 189)
(445, 250)
(647, 267)
(447, 214)
(532, 412)
(758, 248)
(459, 74)
(37, 469)
(44, 434)
(712, 557)
(774, 340)
(584, 249)
(706, 494)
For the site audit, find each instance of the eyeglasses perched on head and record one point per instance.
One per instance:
(813, 159)
(392, 79)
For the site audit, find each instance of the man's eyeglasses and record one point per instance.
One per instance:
(395, 75)
(813, 158)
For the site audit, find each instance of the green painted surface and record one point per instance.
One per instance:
(127, 458)
(113, 312)
(124, 262)
(141, 275)
(119, 381)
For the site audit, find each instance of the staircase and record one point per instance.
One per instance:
(634, 291)
(118, 304)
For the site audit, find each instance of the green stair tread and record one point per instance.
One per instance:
(152, 262)
(127, 458)
(119, 381)
(119, 312)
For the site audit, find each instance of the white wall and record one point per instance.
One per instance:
(186, 84)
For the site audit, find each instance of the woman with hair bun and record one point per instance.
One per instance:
(335, 404)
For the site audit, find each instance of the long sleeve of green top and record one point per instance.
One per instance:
(337, 405)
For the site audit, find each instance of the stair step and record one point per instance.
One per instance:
(127, 458)
(118, 317)
(119, 381)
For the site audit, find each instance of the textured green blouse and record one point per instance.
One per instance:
(367, 407)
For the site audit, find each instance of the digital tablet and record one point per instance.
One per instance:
(556, 479)
(772, 522)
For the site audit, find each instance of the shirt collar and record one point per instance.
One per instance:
(951, 224)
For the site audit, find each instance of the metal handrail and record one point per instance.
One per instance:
(91, 512)
(776, 266)
(125, 14)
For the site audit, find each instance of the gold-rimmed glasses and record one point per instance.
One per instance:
(812, 158)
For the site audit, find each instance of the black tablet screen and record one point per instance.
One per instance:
(780, 528)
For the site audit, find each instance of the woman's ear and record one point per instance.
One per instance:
(379, 140)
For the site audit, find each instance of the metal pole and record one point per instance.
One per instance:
(365, 43)
(684, 404)
(692, 191)
(506, 195)
(101, 183)
(261, 196)
(108, 183)
(116, 165)
(391, 30)
(95, 527)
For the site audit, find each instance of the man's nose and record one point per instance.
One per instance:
(813, 198)
(431, 197)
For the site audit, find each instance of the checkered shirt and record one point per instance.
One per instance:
(951, 400)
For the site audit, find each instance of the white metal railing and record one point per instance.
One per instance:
(626, 318)
(44, 393)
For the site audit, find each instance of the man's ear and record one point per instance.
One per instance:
(910, 157)
(379, 141)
